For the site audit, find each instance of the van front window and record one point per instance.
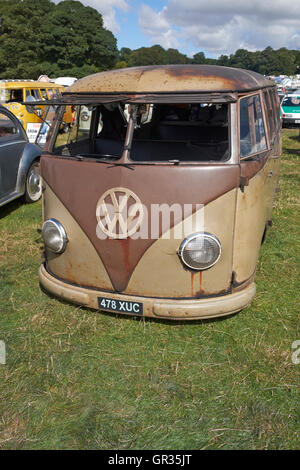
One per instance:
(181, 131)
(96, 132)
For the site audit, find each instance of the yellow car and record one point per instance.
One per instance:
(15, 92)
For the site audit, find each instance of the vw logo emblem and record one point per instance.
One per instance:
(119, 213)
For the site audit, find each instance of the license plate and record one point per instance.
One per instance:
(120, 306)
(297, 121)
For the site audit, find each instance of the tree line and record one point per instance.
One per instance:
(266, 62)
(69, 39)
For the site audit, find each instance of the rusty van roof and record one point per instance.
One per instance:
(171, 79)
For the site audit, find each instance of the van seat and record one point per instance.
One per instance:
(186, 132)
(164, 150)
(109, 146)
(150, 150)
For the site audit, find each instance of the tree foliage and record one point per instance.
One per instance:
(41, 37)
(267, 62)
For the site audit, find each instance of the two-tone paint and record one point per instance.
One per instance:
(237, 196)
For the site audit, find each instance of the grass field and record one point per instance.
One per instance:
(79, 379)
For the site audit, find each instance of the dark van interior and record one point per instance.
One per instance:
(162, 132)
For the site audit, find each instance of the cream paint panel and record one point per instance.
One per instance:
(160, 272)
(275, 168)
(252, 213)
(80, 262)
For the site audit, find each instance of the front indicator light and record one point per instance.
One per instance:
(54, 235)
(200, 251)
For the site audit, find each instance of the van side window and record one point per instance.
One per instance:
(44, 94)
(4, 95)
(252, 129)
(276, 106)
(270, 113)
(34, 93)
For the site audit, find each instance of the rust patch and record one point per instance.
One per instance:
(192, 283)
(236, 286)
(200, 281)
(172, 78)
(194, 276)
(125, 246)
(201, 291)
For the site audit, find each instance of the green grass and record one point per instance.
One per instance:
(79, 379)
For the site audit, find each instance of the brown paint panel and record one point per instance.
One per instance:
(249, 168)
(86, 182)
(171, 78)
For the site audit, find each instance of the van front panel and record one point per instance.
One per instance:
(78, 195)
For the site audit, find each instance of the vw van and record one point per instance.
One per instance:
(159, 207)
(290, 110)
(14, 94)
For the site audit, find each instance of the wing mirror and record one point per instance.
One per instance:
(30, 108)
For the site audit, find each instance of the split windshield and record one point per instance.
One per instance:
(180, 132)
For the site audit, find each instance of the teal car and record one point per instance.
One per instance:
(290, 110)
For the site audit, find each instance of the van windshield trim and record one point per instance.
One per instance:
(90, 99)
(148, 97)
(172, 149)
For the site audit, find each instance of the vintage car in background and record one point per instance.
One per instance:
(19, 161)
(193, 148)
(290, 110)
(14, 93)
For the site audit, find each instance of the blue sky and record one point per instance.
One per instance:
(131, 34)
(214, 27)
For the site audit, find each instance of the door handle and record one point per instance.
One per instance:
(271, 173)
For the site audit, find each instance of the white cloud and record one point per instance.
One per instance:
(221, 27)
(107, 8)
(157, 27)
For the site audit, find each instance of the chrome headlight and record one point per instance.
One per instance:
(200, 251)
(85, 116)
(54, 235)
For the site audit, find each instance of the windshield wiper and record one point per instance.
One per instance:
(96, 156)
(103, 159)
(106, 159)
